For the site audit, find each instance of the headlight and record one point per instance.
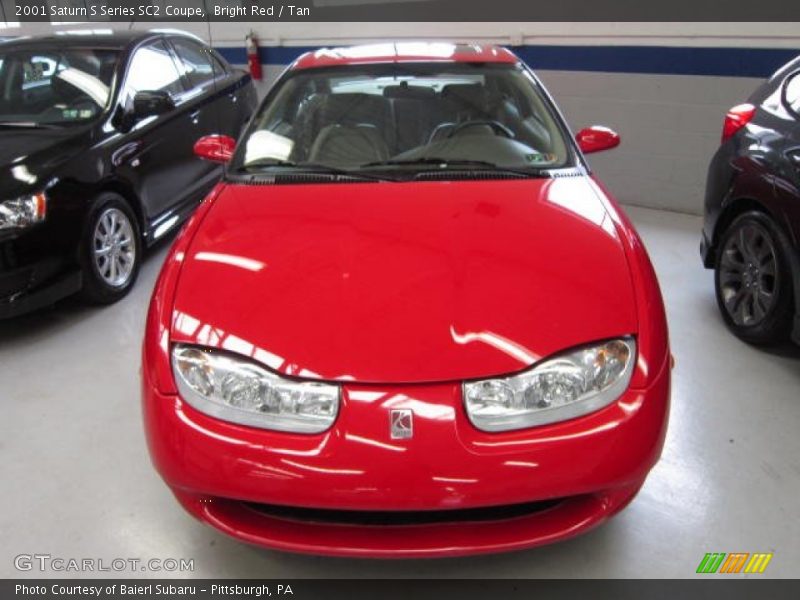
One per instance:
(563, 387)
(23, 211)
(240, 391)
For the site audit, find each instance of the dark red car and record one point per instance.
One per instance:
(751, 231)
(409, 322)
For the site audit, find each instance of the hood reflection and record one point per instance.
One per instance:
(232, 260)
(498, 342)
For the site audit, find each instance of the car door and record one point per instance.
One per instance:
(202, 84)
(156, 153)
(227, 101)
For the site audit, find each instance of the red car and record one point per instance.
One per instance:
(408, 322)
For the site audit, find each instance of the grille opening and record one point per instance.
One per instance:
(390, 518)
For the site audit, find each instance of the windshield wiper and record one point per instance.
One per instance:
(446, 163)
(308, 167)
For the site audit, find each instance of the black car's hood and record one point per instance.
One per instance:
(29, 157)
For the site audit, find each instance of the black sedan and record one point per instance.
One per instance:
(96, 155)
(752, 213)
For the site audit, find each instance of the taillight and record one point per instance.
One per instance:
(737, 117)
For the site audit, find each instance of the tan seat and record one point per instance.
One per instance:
(343, 145)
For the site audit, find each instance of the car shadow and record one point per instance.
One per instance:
(785, 350)
(50, 320)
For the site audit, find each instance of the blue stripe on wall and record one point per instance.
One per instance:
(726, 62)
(662, 60)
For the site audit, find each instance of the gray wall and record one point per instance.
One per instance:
(670, 127)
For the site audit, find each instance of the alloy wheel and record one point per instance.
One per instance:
(748, 275)
(114, 247)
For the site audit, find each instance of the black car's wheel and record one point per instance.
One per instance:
(111, 250)
(753, 281)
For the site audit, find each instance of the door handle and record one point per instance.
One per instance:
(125, 152)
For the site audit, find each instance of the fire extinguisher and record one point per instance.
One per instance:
(253, 62)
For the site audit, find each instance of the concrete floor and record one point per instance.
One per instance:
(77, 481)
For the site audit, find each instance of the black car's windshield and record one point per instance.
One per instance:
(401, 117)
(41, 87)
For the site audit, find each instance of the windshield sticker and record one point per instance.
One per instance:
(540, 158)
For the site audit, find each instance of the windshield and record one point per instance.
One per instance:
(54, 86)
(404, 116)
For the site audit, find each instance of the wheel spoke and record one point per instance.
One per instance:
(730, 260)
(733, 299)
(751, 236)
(107, 224)
(759, 309)
(741, 311)
(741, 243)
(114, 248)
(103, 265)
(730, 276)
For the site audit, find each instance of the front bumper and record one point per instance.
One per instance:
(37, 267)
(224, 474)
(31, 287)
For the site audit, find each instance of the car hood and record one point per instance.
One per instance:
(28, 157)
(405, 282)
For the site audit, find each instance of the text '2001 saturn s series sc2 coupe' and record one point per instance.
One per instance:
(408, 322)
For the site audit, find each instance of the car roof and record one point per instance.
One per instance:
(104, 38)
(405, 52)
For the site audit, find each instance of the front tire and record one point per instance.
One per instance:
(753, 281)
(111, 250)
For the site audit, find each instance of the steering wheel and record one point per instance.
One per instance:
(497, 127)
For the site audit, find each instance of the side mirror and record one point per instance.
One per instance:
(597, 138)
(217, 148)
(150, 103)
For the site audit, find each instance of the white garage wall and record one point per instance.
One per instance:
(670, 127)
(669, 121)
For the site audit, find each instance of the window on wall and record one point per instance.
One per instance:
(151, 69)
(792, 92)
(195, 62)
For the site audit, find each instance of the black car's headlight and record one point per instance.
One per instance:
(563, 387)
(23, 211)
(240, 391)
